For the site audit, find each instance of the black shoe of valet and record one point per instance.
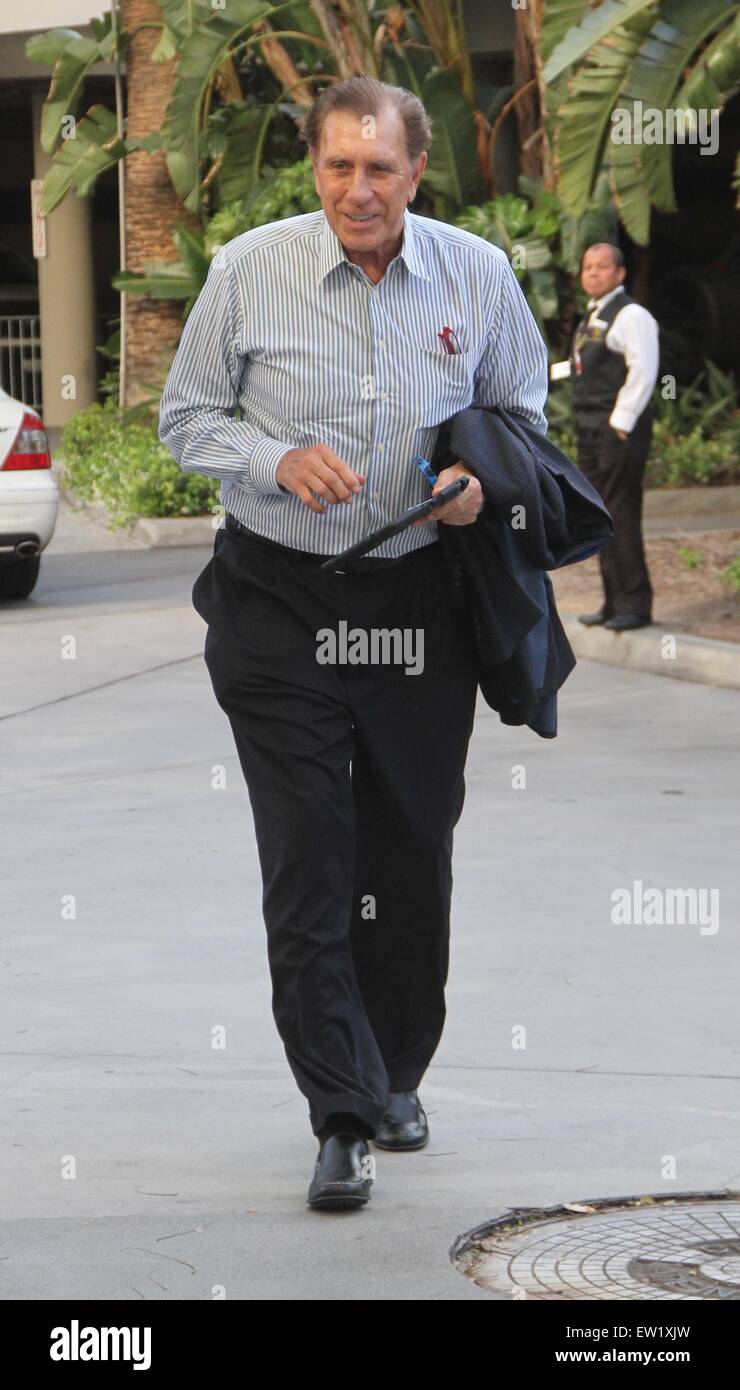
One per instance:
(341, 1175)
(404, 1124)
(624, 622)
(593, 619)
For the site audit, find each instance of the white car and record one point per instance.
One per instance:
(29, 496)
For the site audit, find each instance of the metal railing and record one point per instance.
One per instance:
(20, 358)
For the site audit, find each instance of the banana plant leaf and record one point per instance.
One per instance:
(183, 167)
(72, 56)
(182, 17)
(531, 254)
(160, 280)
(584, 127)
(584, 121)
(598, 223)
(233, 138)
(653, 53)
(715, 77)
(202, 53)
(558, 17)
(654, 77)
(191, 245)
(299, 18)
(183, 279)
(541, 294)
(407, 65)
(453, 171)
(595, 25)
(166, 48)
(79, 162)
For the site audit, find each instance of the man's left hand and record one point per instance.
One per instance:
(462, 510)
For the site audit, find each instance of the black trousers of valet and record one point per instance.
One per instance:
(355, 778)
(616, 467)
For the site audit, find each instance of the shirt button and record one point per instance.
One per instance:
(381, 444)
(384, 395)
(381, 342)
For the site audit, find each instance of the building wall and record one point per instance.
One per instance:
(36, 15)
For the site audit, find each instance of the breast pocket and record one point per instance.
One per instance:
(439, 384)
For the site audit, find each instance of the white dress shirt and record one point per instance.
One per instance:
(297, 338)
(634, 334)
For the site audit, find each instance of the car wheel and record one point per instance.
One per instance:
(19, 577)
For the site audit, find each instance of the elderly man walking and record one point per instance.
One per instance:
(344, 338)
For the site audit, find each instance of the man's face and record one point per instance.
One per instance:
(365, 182)
(599, 273)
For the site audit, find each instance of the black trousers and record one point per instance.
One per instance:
(355, 778)
(616, 468)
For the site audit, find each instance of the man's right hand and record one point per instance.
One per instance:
(319, 470)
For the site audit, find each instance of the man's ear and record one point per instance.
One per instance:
(416, 173)
(313, 154)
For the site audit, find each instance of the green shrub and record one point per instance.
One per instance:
(280, 193)
(118, 460)
(731, 574)
(544, 246)
(685, 460)
(708, 404)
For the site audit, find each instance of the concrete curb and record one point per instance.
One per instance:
(158, 532)
(153, 532)
(685, 503)
(658, 650)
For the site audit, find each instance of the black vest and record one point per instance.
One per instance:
(603, 372)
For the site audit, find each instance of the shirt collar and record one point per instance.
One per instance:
(599, 303)
(332, 253)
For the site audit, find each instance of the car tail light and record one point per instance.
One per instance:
(31, 447)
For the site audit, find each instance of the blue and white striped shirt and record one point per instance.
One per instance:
(296, 336)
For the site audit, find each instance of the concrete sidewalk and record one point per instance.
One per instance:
(191, 1164)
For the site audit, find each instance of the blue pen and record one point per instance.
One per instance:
(425, 467)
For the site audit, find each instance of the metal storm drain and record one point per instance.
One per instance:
(681, 1247)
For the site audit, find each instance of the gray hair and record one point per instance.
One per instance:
(367, 96)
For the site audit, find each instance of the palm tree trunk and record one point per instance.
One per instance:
(153, 327)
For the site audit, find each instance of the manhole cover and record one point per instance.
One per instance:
(681, 1247)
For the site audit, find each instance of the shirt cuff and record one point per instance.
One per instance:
(622, 419)
(259, 476)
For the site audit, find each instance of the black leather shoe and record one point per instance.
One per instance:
(341, 1177)
(404, 1124)
(622, 622)
(593, 619)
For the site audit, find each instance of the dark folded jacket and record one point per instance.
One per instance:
(498, 563)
